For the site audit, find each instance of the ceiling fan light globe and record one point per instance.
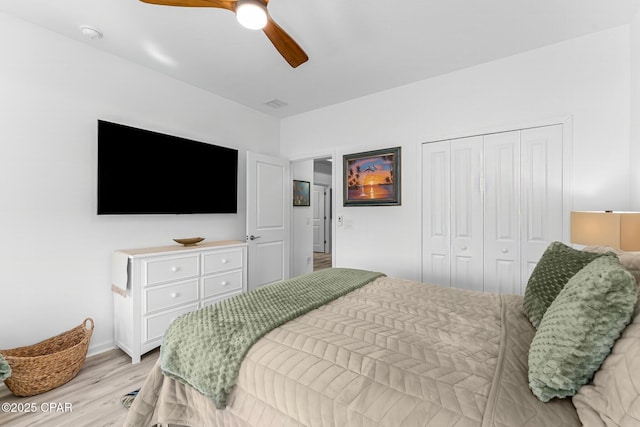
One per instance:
(251, 14)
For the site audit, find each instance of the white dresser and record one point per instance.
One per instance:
(153, 286)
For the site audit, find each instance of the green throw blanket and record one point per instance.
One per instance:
(5, 369)
(204, 348)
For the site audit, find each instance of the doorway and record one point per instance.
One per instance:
(322, 213)
(316, 171)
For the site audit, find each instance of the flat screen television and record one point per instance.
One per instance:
(145, 172)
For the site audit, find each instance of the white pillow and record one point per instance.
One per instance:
(613, 398)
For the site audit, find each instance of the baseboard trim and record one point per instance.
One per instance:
(100, 348)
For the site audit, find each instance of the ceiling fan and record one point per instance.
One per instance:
(252, 14)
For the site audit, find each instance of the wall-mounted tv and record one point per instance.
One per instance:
(145, 172)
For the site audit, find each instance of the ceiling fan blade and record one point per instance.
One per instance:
(222, 4)
(287, 47)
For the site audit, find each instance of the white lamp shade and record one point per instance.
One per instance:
(619, 230)
(251, 14)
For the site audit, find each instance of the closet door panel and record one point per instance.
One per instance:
(436, 260)
(502, 212)
(541, 194)
(466, 214)
(491, 205)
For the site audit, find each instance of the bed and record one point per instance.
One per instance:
(397, 352)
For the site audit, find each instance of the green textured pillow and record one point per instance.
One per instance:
(580, 327)
(557, 265)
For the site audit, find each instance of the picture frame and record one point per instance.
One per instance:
(372, 178)
(301, 193)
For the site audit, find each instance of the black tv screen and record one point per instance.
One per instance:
(145, 172)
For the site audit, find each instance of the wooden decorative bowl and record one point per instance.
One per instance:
(190, 241)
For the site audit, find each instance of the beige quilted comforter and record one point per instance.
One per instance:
(392, 353)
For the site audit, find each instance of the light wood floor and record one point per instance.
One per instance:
(321, 260)
(93, 395)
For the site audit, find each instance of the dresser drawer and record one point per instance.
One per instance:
(166, 296)
(170, 269)
(222, 283)
(219, 298)
(221, 261)
(156, 325)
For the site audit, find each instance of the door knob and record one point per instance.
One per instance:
(252, 237)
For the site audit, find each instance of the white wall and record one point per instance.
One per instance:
(634, 157)
(587, 78)
(55, 254)
(322, 173)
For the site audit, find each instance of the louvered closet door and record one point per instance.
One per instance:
(502, 212)
(436, 205)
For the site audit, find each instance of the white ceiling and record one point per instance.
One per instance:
(356, 47)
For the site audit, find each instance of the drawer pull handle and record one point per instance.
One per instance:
(505, 250)
(224, 261)
(175, 269)
(174, 295)
(224, 283)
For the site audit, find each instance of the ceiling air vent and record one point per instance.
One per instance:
(276, 103)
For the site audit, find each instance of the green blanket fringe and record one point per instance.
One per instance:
(205, 348)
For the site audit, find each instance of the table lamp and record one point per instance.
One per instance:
(619, 230)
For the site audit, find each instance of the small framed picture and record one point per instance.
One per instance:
(372, 178)
(301, 193)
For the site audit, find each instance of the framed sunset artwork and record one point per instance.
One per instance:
(372, 178)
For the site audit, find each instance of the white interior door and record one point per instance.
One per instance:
(268, 219)
(502, 213)
(317, 204)
(491, 204)
(541, 153)
(436, 208)
(328, 214)
(467, 228)
(453, 216)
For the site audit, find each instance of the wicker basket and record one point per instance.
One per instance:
(41, 367)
